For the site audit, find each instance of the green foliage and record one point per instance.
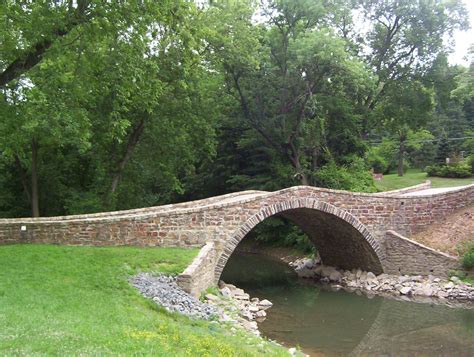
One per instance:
(376, 161)
(353, 177)
(282, 233)
(460, 170)
(468, 258)
(421, 149)
(470, 162)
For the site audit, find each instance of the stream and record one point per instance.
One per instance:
(323, 322)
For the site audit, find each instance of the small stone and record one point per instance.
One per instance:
(249, 325)
(265, 304)
(442, 294)
(253, 308)
(292, 351)
(335, 276)
(427, 291)
(226, 292)
(449, 285)
(247, 315)
(405, 290)
(309, 264)
(371, 275)
(455, 279)
(237, 291)
(261, 313)
(243, 296)
(404, 279)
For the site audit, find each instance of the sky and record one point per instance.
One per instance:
(463, 39)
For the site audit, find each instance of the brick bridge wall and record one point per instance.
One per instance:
(356, 223)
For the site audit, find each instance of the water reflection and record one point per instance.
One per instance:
(328, 323)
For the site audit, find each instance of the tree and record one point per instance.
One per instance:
(294, 80)
(404, 38)
(97, 91)
(406, 107)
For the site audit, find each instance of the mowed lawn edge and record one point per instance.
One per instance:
(58, 300)
(414, 177)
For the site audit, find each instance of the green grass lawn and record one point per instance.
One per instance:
(57, 300)
(415, 177)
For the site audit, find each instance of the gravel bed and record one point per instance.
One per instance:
(164, 290)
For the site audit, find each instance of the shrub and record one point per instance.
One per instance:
(353, 177)
(377, 161)
(468, 258)
(453, 171)
(470, 161)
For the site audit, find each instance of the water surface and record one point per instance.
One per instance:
(338, 323)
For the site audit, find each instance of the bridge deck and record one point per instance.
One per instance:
(433, 191)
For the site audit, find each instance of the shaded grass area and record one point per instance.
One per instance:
(415, 177)
(57, 300)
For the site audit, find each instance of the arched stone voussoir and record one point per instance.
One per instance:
(311, 215)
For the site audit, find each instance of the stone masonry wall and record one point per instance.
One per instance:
(194, 223)
(404, 256)
(200, 274)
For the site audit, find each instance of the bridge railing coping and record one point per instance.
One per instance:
(134, 211)
(398, 235)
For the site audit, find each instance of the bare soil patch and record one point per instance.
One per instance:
(452, 235)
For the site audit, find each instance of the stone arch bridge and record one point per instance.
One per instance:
(350, 230)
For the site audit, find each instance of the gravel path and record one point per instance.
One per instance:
(164, 290)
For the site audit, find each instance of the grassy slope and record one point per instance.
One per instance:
(76, 300)
(415, 177)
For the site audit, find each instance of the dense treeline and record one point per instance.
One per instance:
(114, 105)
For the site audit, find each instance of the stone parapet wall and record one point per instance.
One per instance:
(404, 256)
(200, 274)
(195, 223)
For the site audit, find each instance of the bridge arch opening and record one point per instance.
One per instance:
(340, 238)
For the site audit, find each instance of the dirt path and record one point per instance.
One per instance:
(453, 235)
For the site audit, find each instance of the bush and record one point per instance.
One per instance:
(452, 171)
(470, 161)
(468, 258)
(354, 177)
(376, 161)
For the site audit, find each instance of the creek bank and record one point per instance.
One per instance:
(238, 307)
(406, 287)
(229, 305)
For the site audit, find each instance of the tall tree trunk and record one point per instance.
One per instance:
(295, 160)
(132, 142)
(24, 177)
(401, 153)
(34, 179)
